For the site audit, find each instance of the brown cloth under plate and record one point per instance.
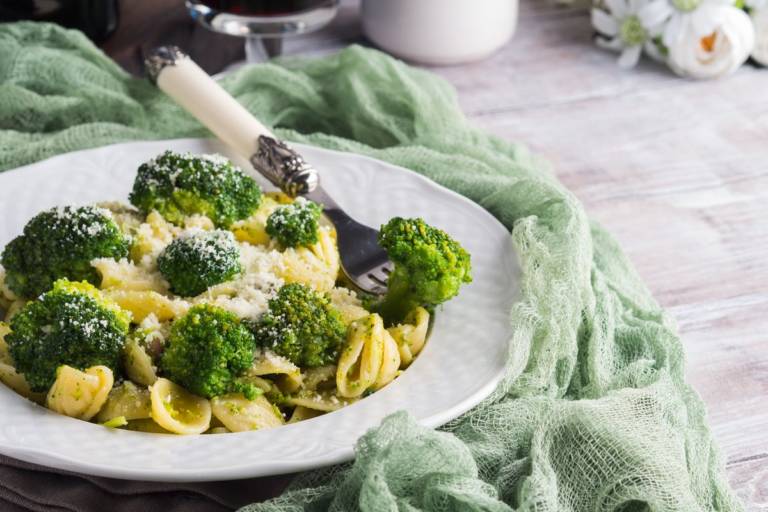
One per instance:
(26, 487)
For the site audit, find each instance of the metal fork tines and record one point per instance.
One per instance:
(363, 260)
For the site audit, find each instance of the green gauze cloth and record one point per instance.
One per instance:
(594, 413)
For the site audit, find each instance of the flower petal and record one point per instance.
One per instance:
(636, 5)
(673, 30)
(604, 23)
(618, 8)
(630, 56)
(654, 14)
(706, 19)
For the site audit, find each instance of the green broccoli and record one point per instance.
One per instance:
(60, 243)
(177, 185)
(430, 267)
(198, 260)
(295, 224)
(207, 351)
(302, 326)
(72, 324)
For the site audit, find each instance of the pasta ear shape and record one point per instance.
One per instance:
(177, 410)
(15, 380)
(361, 357)
(411, 335)
(141, 304)
(390, 363)
(126, 275)
(5, 354)
(254, 229)
(319, 377)
(323, 401)
(239, 414)
(152, 236)
(138, 364)
(8, 374)
(267, 362)
(301, 413)
(126, 400)
(348, 304)
(80, 394)
(316, 266)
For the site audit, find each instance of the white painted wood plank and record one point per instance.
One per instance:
(676, 169)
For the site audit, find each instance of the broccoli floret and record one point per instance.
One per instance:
(60, 243)
(198, 260)
(295, 224)
(73, 324)
(178, 185)
(430, 267)
(302, 326)
(207, 350)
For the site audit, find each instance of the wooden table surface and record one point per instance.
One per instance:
(676, 169)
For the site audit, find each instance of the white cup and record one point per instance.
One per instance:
(439, 31)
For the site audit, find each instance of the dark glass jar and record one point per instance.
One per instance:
(96, 18)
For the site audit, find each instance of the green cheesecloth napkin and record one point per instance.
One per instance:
(594, 413)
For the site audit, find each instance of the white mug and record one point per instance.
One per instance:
(439, 31)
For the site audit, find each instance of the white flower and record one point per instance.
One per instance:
(624, 29)
(704, 38)
(760, 22)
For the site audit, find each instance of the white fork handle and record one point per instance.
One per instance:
(201, 96)
(191, 87)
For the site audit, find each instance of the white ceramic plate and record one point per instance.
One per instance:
(460, 365)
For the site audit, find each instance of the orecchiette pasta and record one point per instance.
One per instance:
(138, 364)
(80, 394)
(126, 275)
(128, 401)
(5, 355)
(390, 362)
(6, 295)
(322, 376)
(141, 304)
(301, 413)
(198, 221)
(316, 266)
(323, 401)
(361, 358)
(269, 363)
(411, 335)
(238, 414)
(126, 217)
(348, 304)
(177, 410)
(254, 229)
(16, 381)
(146, 425)
(152, 236)
(8, 374)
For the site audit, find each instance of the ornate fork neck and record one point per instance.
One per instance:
(284, 167)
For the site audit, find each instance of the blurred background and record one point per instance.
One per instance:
(218, 33)
(126, 29)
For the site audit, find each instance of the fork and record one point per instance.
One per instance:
(364, 262)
